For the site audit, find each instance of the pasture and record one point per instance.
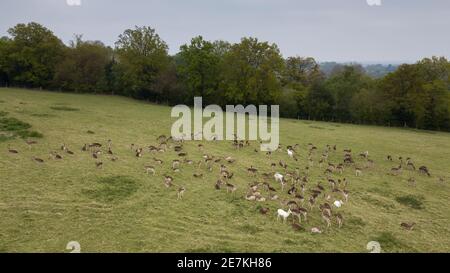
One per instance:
(119, 207)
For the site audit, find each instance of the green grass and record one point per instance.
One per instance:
(119, 208)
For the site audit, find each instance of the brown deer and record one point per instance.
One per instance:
(408, 226)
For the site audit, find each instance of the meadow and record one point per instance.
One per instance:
(121, 208)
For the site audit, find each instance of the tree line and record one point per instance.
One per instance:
(248, 72)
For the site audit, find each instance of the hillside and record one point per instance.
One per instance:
(121, 208)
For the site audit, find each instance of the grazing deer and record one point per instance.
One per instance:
(345, 193)
(264, 211)
(180, 193)
(396, 171)
(12, 151)
(316, 230)
(38, 160)
(175, 163)
(339, 220)
(219, 184)
(198, 175)
(158, 161)
(408, 226)
(150, 169)
(311, 202)
(412, 181)
(231, 188)
(230, 160)
(252, 171)
(410, 165)
(338, 203)
(283, 214)
(299, 212)
(250, 197)
(327, 219)
(297, 227)
(424, 170)
(168, 181)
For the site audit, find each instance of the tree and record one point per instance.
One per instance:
(251, 73)
(199, 68)
(84, 67)
(34, 54)
(301, 72)
(141, 56)
(5, 68)
(344, 83)
(319, 102)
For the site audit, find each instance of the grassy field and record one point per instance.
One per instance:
(120, 208)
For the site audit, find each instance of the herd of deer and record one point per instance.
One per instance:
(302, 197)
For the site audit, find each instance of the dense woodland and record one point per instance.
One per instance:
(249, 72)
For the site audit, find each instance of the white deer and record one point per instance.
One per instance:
(284, 214)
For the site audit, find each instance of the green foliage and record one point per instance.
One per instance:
(199, 68)
(142, 57)
(250, 73)
(32, 55)
(83, 68)
(247, 72)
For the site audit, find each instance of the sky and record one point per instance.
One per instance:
(386, 31)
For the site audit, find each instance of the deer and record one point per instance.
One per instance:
(252, 171)
(299, 212)
(316, 230)
(283, 214)
(12, 151)
(358, 171)
(158, 161)
(168, 181)
(180, 193)
(150, 169)
(230, 187)
(424, 170)
(38, 160)
(412, 181)
(396, 171)
(339, 220)
(408, 226)
(327, 219)
(264, 211)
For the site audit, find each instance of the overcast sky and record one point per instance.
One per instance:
(329, 30)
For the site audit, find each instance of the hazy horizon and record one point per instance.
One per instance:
(396, 32)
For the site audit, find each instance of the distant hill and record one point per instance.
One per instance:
(373, 70)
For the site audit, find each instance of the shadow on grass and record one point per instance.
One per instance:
(112, 189)
(64, 108)
(412, 201)
(389, 243)
(12, 127)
